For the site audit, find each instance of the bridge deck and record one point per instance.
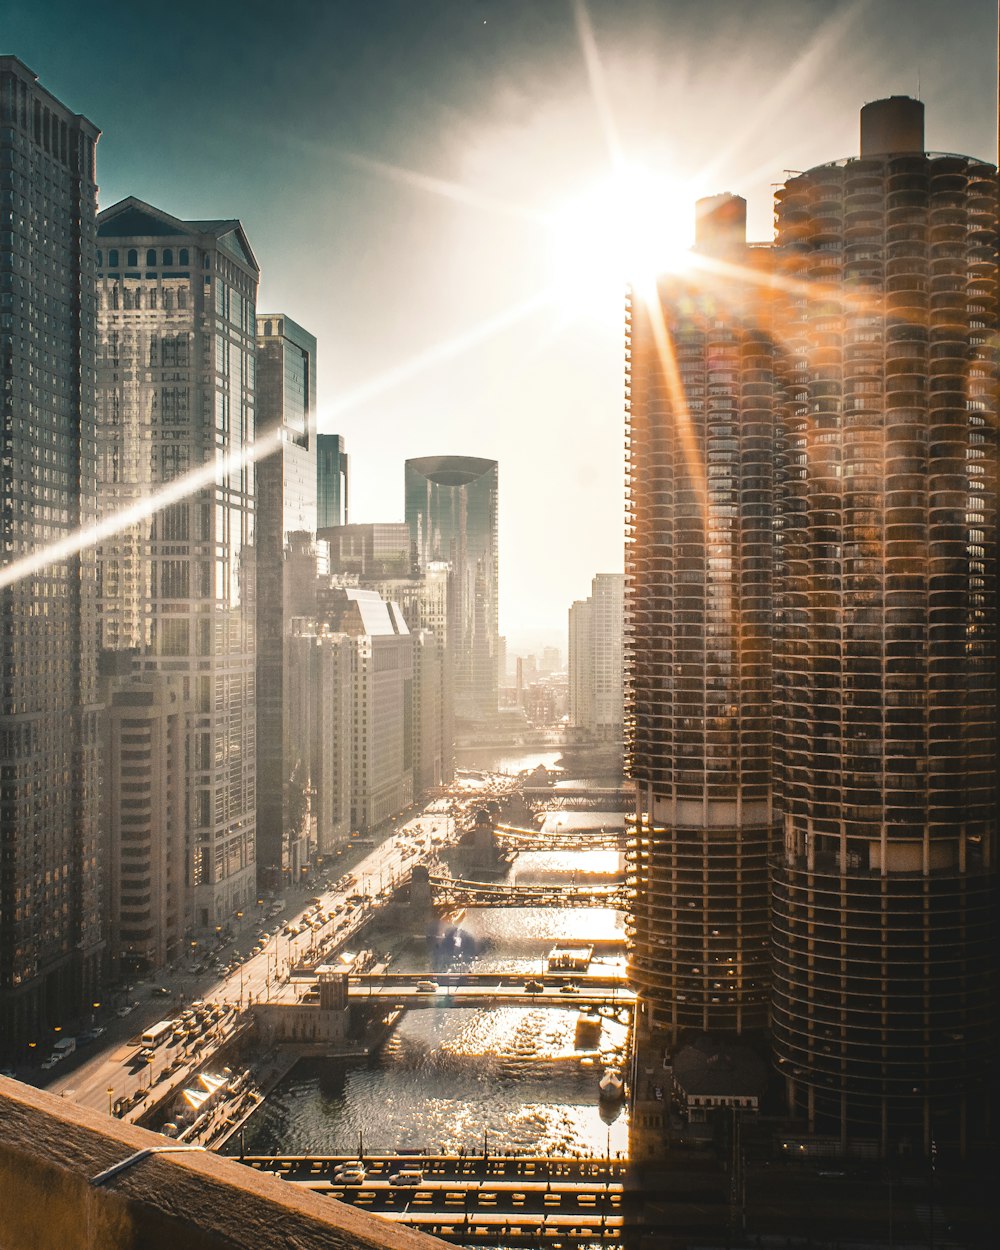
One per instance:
(519, 1200)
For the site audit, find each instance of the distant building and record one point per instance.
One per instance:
(51, 902)
(595, 659)
(581, 665)
(551, 660)
(451, 511)
(375, 550)
(382, 721)
(323, 667)
(503, 677)
(332, 481)
(286, 507)
(433, 733)
(175, 374)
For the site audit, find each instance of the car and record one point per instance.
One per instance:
(427, 987)
(569, 988)
(159, 991)
(534, 987)
(51, 1061)
(407, 1176)
(124, 1011)
(350, 1176)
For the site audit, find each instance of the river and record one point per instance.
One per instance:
(448, 1078)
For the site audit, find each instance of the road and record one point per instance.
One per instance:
(109, 1069)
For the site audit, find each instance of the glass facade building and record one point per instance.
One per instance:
(51, 866)
(176, 381)
(451, 511)
(332, 481)
(285, 505)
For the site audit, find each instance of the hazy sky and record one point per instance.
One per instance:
(403, 170)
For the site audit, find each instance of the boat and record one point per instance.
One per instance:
(588, 1027)
(611, 1087)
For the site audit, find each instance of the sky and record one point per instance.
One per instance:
(450, 195)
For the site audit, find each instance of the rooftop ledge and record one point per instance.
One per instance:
(51, 1151)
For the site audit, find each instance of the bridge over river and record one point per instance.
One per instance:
(516, 1200)
(456, 892)
(493, 989)
(561, 839)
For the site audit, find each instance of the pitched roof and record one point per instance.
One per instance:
(134, 218)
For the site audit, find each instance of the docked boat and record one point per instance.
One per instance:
(588, 1028)
(611, 1088)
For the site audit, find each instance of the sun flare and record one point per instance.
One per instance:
(629, 228)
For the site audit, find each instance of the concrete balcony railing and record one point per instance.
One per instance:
(53, 1155)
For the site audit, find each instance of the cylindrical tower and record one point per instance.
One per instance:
(885, 656)
(698, 637)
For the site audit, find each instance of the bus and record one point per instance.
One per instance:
(157, 1034)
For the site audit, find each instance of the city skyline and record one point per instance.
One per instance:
(428, 152)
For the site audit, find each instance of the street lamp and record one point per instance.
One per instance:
(111, 1092)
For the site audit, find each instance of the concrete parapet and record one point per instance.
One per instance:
(51, 1151)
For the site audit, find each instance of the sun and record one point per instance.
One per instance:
(626, 229)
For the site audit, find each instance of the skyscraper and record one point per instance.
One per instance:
(886, 660)
(285, 505)
(698, 593)
(867, 377)
(451, 509)
(332, 481)
(176, 364)
(51, 867)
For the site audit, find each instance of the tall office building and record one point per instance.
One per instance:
(285, 505)
(451, 510)
(886, 654)
(176, 360)
(51, 866)
(698, 589)
(332, 481)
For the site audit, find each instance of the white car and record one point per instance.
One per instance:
(407, 1176)
(51, 1061)
(351, 1176)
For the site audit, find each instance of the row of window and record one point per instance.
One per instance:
(132, 257)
